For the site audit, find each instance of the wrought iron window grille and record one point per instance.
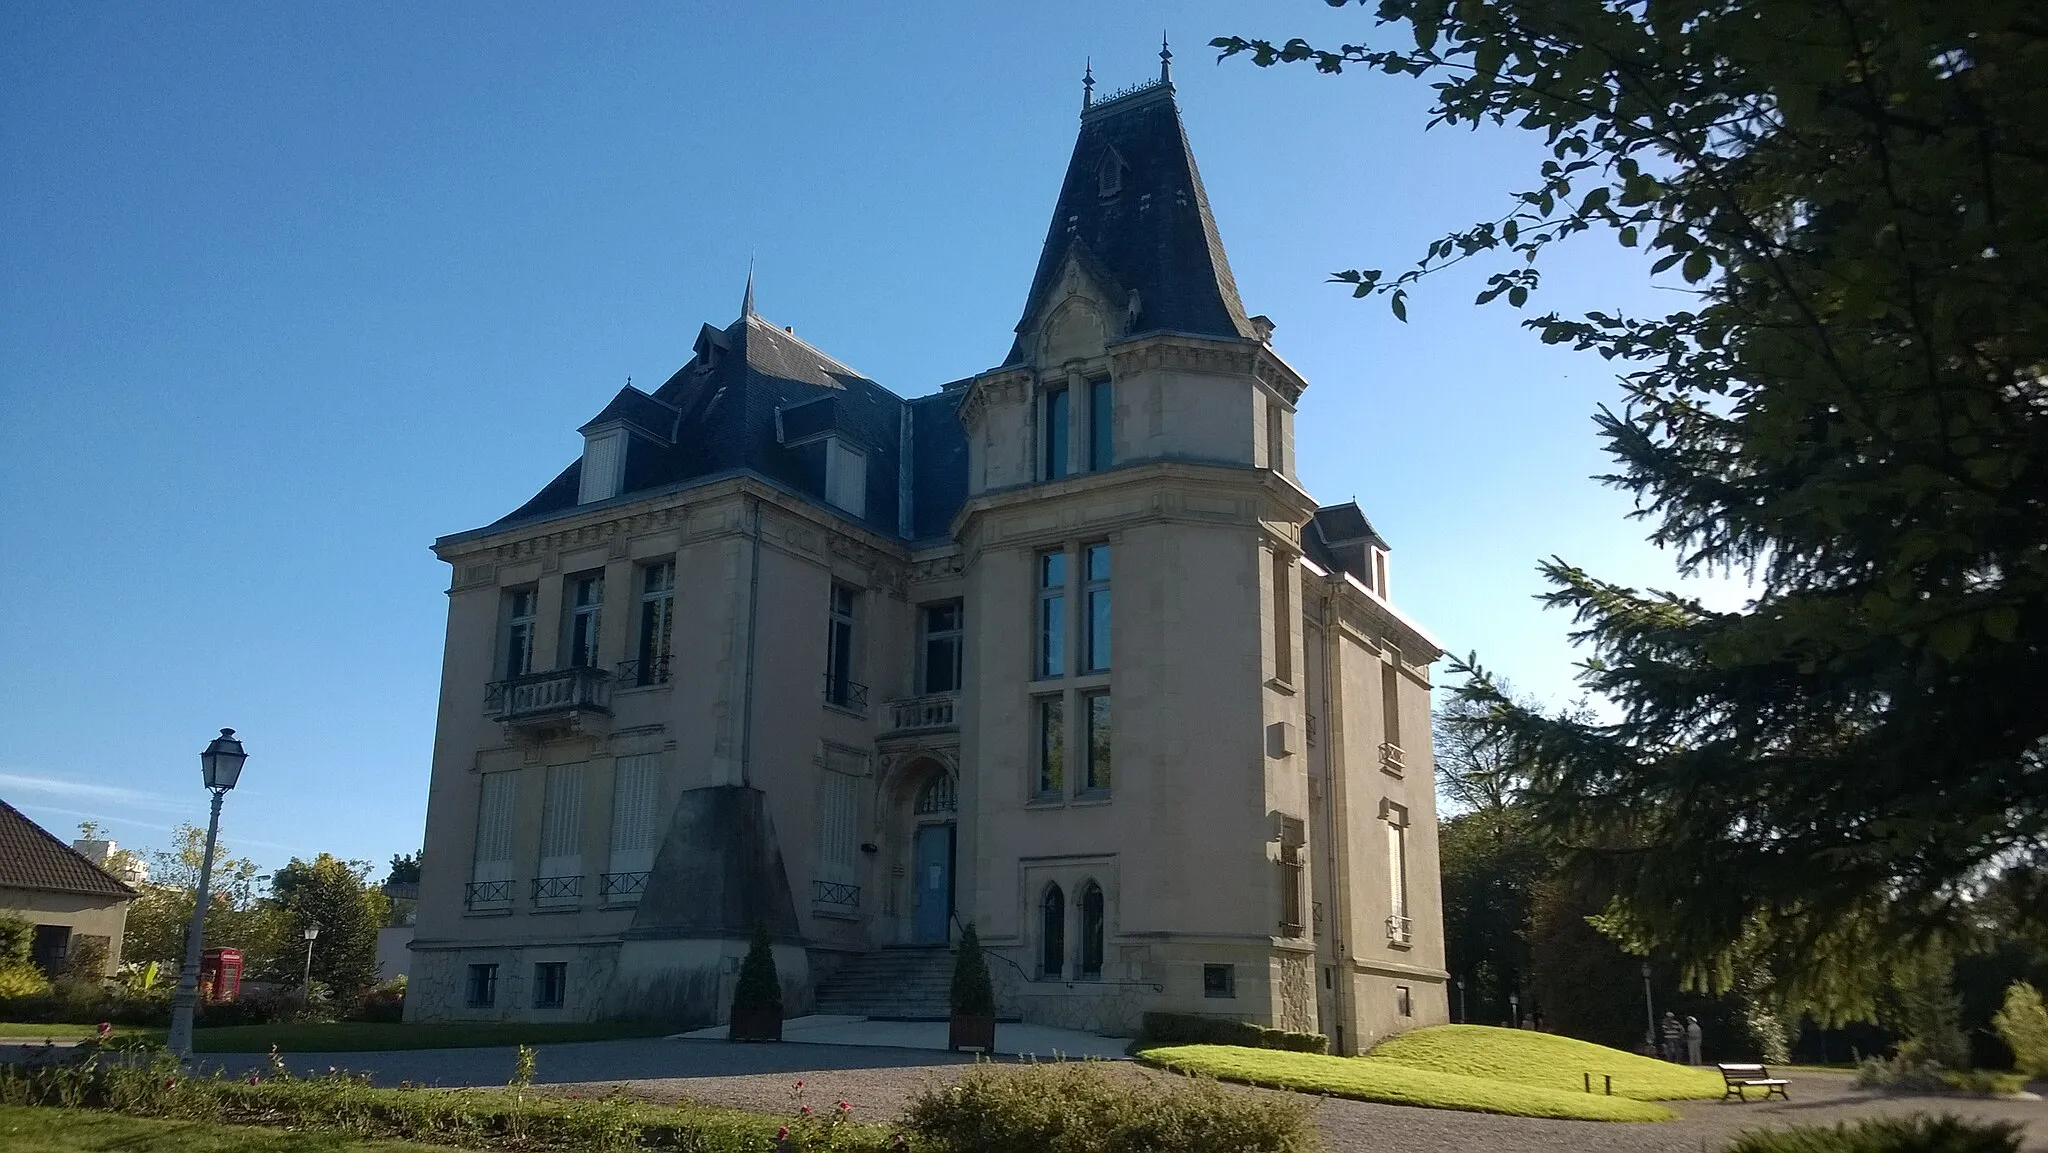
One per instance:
(620, 886)
(835, 893)
(557, 888)
(478, 893)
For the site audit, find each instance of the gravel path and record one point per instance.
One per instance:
(879, 1081)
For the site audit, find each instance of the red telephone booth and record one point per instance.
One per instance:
(220, 974)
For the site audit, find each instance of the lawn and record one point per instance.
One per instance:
(27, 1031)
(32, 1130)
(360, 1037)
(1545, 1061)
(1398, 1083)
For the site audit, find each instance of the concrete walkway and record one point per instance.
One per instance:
(1012, 1039)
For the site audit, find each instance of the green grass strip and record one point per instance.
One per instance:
(1395, 1083)
(361, 1037)
(35, 1130)
(1546, 1061)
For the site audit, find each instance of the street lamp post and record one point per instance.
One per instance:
(1463, 1019)
(306, 985)
(221, 767)
(1515, 1010)
(1649, 1011)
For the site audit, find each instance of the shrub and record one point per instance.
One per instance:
(1194, 1029)
(383, 1004)
(255, 1009)
(1904, 1072)
(1083, 1108)
(143, 1082)
(21, 981)
(973, 995)
(17, 940)
(77, 1005)
(1919, 1133)
(2023, 1024)
(759, 987)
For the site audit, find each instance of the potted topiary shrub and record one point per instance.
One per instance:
(973, 1024)
(757, 999)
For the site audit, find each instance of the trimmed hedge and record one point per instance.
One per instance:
(1195, 1029)
(1919, 1133)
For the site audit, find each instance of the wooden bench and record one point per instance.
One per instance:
(1739, 1079)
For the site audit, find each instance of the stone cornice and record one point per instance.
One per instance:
(612, 526)
(1365, 614)
(997, 386)
(1214, 357)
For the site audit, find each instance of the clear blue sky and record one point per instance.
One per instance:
(286, 291)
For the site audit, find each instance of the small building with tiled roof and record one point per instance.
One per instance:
(73, 903)
(1061, 650)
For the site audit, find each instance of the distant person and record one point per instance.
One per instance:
(1693, 1036)
(1674, 1037)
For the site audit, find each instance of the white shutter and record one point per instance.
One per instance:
(846, 477)
(636, 787)
(603, 462)
(561, 822)
(838, 810)
(497, 794)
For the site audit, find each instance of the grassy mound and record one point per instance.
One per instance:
(1545, 1061)
(1397, 1083)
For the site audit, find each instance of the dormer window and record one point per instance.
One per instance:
(1109, 178)
(604, 465)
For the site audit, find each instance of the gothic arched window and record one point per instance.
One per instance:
(1091, 930)
(1052, 932)
(937, 796)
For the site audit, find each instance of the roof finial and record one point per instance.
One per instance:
(1165, 59)
(747, 302)
(1088, 84)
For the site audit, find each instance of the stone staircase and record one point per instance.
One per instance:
(901, 982)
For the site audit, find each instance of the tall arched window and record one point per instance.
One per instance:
(1052, 932)
(1091, 930)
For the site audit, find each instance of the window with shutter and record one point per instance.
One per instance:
(604, 458)
(497, 794)
(636, 786)
(838, 806)
(559, 877)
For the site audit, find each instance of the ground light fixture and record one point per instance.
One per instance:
(220, 767)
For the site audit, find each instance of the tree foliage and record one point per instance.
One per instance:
(336, 896)
(759, 987)
(1849, 407)
(162, 908)
(972, 993)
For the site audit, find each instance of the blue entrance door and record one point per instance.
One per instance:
(932, 882)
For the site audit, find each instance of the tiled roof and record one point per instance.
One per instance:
(1155, 234)
(30, 858)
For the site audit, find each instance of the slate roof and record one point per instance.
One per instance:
(31, 858)
(1336, 538)
(1155, 234)
(757, 399)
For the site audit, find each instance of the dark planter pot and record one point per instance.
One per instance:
(972, 1032)
(755, 1025)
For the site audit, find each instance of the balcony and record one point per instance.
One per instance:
(851, 696)
(1400, 932)
(621, 888)
(487, 897)
(929, 713)
(550, 700)
(1390, 759)
(557, 892)
(644, 673)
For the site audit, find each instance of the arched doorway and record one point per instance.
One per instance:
(933, 848)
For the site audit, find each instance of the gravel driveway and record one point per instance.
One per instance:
(879, 1081)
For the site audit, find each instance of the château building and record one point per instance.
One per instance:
(1062, 650)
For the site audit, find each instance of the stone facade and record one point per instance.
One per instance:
(1138, 709)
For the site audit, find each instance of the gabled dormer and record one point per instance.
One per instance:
(633, 420)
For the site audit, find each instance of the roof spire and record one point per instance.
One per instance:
(747, 302)
(1165, 59)
(1088, 84)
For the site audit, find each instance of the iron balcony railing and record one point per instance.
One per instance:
(1399, 930)
(485, 894)
(834, 893)
(846, 694)
(645, 671)
(931, 711)
(539, 695)
(621, 886)
(557, 888)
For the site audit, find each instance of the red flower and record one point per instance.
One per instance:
(106, 1027)
(782, 1134)
(799, 1084)
(252, 1078)
(844, 1106)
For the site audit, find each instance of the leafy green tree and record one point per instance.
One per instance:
(162, 908)
(405, 869)
(1924, 1009)
(1849, 406)
(337, 896)
(2023, 1023)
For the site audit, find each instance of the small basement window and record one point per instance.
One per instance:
(1219, 980)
